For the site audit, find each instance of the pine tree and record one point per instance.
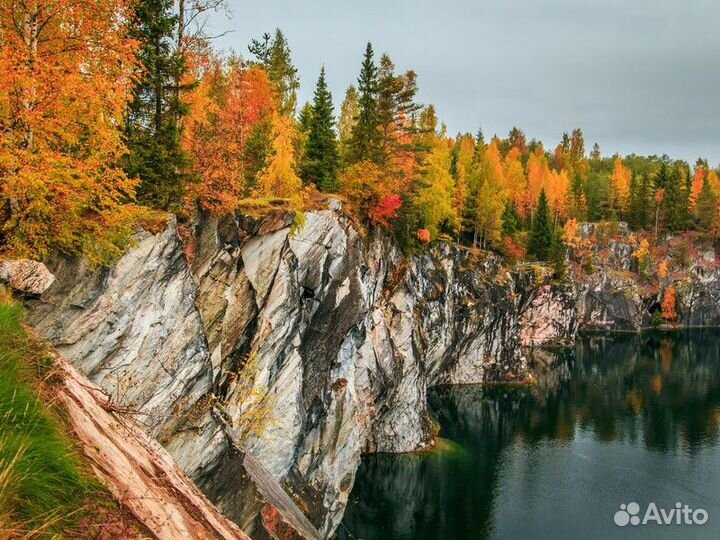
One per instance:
(675, 201)
(396, 111)
(304, 125)
(257, 148)
(152, 130)
(320, 163)
(541, 236)
(283, 74)
(510, 219)
(706, 207)
(365, 143)
(305, 118)
(557, 254)
(273, 53)
(640, 204)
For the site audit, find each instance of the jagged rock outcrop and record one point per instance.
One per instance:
(614, 296)
(26, 277)
(267, 360)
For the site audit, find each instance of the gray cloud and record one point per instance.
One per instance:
(638, 76)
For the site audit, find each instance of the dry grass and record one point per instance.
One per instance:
(46, 489)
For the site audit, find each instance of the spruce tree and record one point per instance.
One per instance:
(152, 129)
(283, 74)
(541, 236)
(395, 108)
(320, 163)
(365, 142)
(640, 203)
(557, 255)
(273, 53)
(305, 119)
(706, 207)
(675, 202)
(510, 219)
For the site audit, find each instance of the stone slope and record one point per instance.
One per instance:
(335, 338)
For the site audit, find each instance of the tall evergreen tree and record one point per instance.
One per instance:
(321, 162)
(305, 118)
(396, 109)
(152, 129)
(273, 53)
(365, 143)
(510, 219)
(706, 207)
(675, 202)
(639, 210)
(541, 236)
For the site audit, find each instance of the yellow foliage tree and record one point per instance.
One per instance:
(515, 182)
(278, 178)
(669, 312)
(620, 194)
(538, 173)
(487, 198)
(65, 84)
(463, 165)
(435, 197)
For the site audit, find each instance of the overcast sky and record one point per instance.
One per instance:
(637, 76)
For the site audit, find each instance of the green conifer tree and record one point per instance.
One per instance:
(510, 219)
(273, 53)
(541, 236)
(321, 162)
(152, 129)
(365, 142)
(706, 207)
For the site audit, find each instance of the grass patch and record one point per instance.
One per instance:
(43, 491)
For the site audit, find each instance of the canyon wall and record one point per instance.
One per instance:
(267, 360)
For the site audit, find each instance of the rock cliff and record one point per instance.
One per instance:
(267, 360)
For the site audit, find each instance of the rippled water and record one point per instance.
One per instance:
(618, 419)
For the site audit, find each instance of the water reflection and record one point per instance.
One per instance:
(619, 416)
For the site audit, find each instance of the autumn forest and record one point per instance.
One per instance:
(114, 112)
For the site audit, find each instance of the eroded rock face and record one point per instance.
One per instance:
(25, 276)
(133, 329)
(335, 338)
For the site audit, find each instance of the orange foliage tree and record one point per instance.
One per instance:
(515, 182)
(538, 173)
(696, 186)
(278, 178)
(669, 312)
(65, 84)
(370, 194)
(620, 179)
(224, 108)
(423, 236)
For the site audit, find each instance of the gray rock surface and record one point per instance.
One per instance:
(303, 350)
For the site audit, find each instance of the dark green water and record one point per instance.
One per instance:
(618, 419)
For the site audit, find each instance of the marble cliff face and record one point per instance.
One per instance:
(266, 361)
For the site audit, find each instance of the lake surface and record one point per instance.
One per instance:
(618, 419)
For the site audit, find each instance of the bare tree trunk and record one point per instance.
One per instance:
(31, 38)
(181, 24)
